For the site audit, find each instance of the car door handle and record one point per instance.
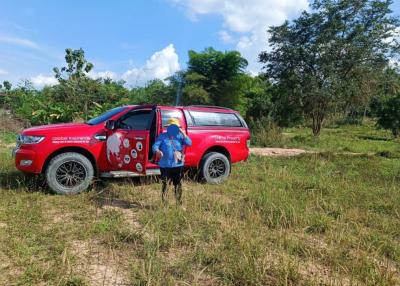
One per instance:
(100, 137)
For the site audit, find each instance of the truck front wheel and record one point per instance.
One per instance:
(69, 173)
(215, 167)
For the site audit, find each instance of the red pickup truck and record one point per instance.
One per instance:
(118, 144)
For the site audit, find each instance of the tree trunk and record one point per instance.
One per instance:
(364, 114)
(316, 128)
(395, 132)
(317, 120)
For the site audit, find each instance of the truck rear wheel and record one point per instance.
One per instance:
(69, 173)
(215, 168)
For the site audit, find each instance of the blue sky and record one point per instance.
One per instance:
(132, 40)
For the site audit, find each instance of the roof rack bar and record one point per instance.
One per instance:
(209, 106)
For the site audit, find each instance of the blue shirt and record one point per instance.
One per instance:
(167, 145)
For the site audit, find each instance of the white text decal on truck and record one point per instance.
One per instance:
(60, 140)
(226, 139)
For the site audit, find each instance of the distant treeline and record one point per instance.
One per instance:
(337, 59)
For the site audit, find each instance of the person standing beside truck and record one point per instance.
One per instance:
(169, 147)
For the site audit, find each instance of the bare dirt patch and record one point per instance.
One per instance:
(4, 261)
(9, 123)
(322, 275)
(99, 265)
(4, 269)
(7, 269)
(277, 152)
(130, 216)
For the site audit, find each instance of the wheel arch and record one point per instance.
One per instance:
(218, 149)
(75, 149)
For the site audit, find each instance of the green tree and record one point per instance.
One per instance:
(388, 113)
(258, 96)
(154, 92)
(76, 90)
(77, 66)
(112, 93)
(215, 77)
(157, 92)
(7, 85)
(320, 59)
(194, 91)
(385, 105)
(28, 103)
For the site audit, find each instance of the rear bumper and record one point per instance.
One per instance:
(27, 161)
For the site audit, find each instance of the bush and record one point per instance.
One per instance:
(265, 133)
(388, 113)
(349, 120)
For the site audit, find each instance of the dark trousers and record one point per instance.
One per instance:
(173, 175)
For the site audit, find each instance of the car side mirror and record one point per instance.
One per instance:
(110, 124)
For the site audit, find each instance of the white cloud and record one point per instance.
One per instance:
(3, 72)
(394, 38)
(24, 29)
(41, 80)
(19, 42)
(161, 65)
(103, 74)
(248, 19)
(394, 63)
(226, 37)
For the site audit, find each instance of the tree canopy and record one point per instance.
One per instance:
(331, 55)
(214, 77)
(77, 66)
(338, 57)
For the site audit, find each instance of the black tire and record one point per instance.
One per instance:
(69, 173)
(215, 168)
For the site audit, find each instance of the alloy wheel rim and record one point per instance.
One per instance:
(70, 174)
(216, 168)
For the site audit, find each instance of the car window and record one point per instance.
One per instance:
(136, 120)
(188, 117)
(168, 113)
(105, 116)
(202, 118)
(243, 121)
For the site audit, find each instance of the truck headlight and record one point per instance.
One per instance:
(27, 139)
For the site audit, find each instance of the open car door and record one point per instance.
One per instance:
(128, 143)
(139, 150)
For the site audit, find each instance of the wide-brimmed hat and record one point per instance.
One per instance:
(173, 121)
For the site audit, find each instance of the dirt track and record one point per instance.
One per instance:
(277, 152)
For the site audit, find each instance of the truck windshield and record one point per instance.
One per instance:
(105, 116)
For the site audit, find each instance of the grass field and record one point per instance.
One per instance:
(329, 218)
(364, 138)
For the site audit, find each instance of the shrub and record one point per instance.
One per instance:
(266, 133)
(388, 113)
